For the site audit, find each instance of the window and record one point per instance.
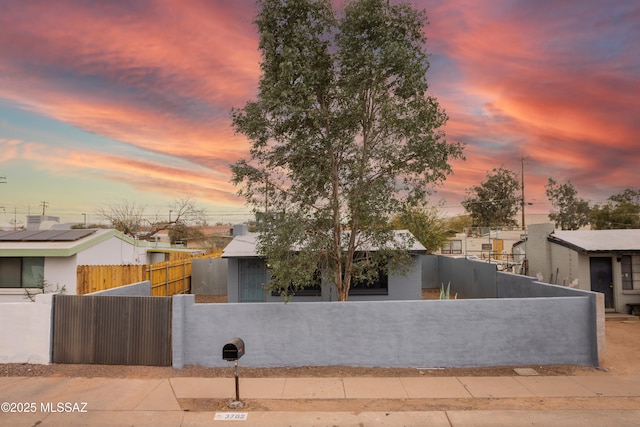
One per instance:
(311, 290)
(630, 266)
(376, 286)
(25, 272)
(452, 247)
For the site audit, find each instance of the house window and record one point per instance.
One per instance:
(313, 289)
(630, 266)
(452, 247)
(27, 272)
(376, 286)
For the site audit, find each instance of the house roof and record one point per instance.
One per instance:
(244, 246)
(44, 235)
(55, 243)
(594, 241)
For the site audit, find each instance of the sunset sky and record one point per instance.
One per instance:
(105, 101)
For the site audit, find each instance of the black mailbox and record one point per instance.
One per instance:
(233, 350)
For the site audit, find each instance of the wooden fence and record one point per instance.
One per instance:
(167, 278)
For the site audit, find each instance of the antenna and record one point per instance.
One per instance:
(44, 206)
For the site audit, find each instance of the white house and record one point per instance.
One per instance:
(606, 261)
(29, 257)
(248, 275)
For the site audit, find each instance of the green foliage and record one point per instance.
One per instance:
(183, 232)
(426, 224)
(343, 135)
(622, 211)
(495, 201)
(458, 224)
(446, 293)
(571, 212)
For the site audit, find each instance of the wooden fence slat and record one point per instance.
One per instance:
(167, 278)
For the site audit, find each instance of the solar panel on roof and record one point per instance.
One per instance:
(44, 235)
(16, 236)
(71, 235)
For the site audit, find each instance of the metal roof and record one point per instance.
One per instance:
(598, 240)
(245, 245)
(44, 235)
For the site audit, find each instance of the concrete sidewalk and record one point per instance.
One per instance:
(53, 401)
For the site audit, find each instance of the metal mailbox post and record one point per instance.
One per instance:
(232, 351)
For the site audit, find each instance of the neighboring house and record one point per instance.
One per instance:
(248, 275)
(606, 261)
(490, 245)
(27, 258)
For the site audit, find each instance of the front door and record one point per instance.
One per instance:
(602, 278)
(252, 280)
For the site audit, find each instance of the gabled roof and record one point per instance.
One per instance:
(54, 243)
(244, 246)
(598, 241)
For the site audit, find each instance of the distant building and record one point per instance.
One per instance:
(40, 222)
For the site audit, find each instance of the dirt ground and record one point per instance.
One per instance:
(621, 358)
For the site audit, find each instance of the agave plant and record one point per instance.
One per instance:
(446, 294)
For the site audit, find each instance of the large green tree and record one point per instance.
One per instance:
(426, 224)
(570, 211)
(343, 135)
(495, 201)
(621, 211)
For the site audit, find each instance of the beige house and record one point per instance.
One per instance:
(606, 261)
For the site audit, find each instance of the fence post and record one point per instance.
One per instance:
(150, 271)
(167, 280)
(184, 276)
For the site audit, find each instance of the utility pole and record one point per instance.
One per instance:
(3, 180)
(522, 203)
(44, 206)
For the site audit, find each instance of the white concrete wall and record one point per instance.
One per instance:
(537, 249)
(565, 267)
(61, 271)
(25, 335)
(113, 251)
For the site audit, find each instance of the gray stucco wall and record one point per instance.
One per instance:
(140, 289)
(489, 332)
(430, 271)
(517, 286)
(469, 279)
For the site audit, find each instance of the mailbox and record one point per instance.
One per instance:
(233, 350)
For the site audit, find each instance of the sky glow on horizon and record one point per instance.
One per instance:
(106, 101)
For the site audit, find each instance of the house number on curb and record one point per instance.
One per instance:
(230, 416)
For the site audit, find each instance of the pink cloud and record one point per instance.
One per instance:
(517, 79)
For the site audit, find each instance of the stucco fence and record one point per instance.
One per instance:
(523, 322)
(504, 320)
(454, 333)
